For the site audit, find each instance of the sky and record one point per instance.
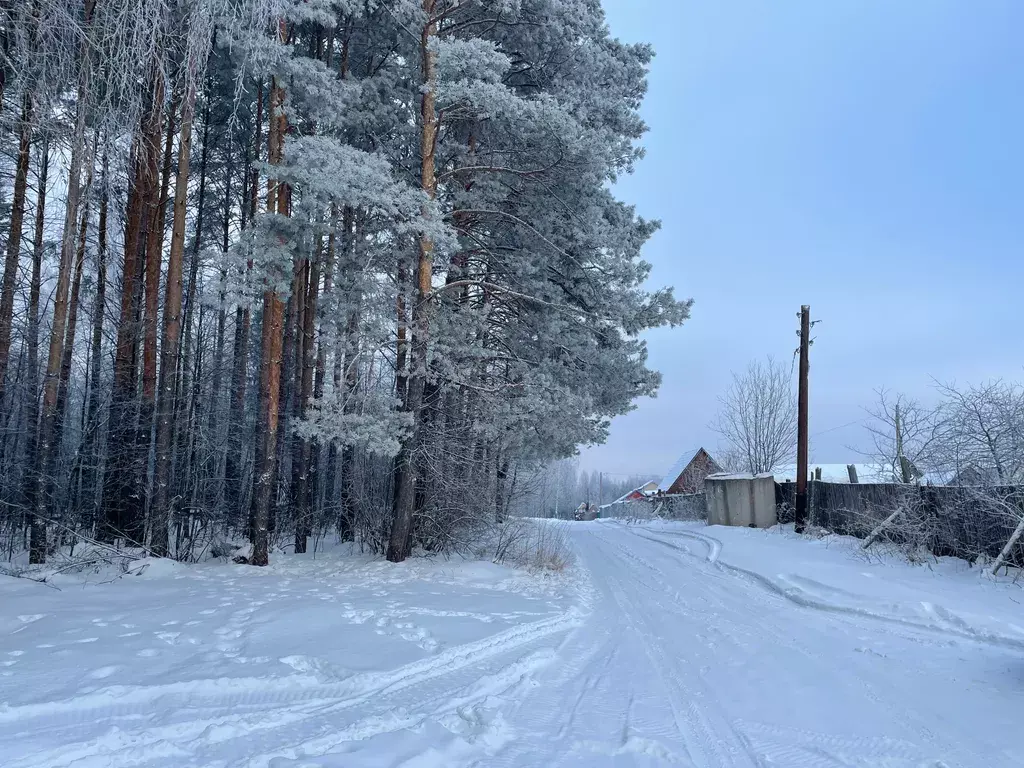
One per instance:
(865, 158)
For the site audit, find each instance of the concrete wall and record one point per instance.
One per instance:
(741, 500)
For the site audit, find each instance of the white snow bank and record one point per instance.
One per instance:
(155, 568)
(224, 664)
(833, 573)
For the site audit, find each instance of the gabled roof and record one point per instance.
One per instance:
(677, 469)
(627, 494)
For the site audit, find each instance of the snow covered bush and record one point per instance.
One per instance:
(541, 545)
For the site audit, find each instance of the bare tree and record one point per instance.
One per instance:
(757, 416)
(981, 431)
(904, 436)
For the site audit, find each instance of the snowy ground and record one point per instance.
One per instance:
(673, 644)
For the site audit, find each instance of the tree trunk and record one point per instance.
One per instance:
(278, 198)
(351, 381)
(42, 474)
(401, 333)
(14, 237)
(236, 425)
(30, 487)
(6, 28)
(151, 308)
(289, 371)
(171, 336)
(401, 377)
(218, 359)
(69, 340)
(76, 287)
(292, 372)
(405, 481)
(320, 374)
(501, 486)
(240, 350)
(331, 479)
(302, 487)
(91, 468)
(184, 378)
(122, 498)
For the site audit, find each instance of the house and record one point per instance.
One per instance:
(640, 492)
(585, 511)
(688, 473)
(973, 475)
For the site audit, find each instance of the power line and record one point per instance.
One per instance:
(859, 422)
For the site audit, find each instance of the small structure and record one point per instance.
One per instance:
(638, 493)
(585, 511)
(688, 473)
(740, 499)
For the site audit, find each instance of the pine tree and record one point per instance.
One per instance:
(397, 281)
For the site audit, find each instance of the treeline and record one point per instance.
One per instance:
(274, 269)
(557, 489)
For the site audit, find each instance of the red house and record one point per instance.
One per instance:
(636, 494)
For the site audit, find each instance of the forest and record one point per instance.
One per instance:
(282, 269)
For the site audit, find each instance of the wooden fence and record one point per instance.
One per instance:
(956, 521)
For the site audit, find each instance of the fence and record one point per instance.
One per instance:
(957, 521)
(691, 506)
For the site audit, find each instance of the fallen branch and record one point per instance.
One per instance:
(1009, 546)
(880, 527)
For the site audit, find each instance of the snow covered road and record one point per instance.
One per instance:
(679, 645)
(686, 661)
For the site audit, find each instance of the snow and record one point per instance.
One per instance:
(837, 473)
(670, 644)
(647, 488)
(677, 469)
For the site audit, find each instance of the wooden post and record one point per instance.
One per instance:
(851, 469)
(802, 403)
(901, 460)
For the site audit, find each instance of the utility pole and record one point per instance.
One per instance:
(904, 465)
(600, 489)
(802, 407)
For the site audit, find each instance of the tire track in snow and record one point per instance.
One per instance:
(265, 705)
(711, 738)
(911, 721)
(620, 692)
(944, 623)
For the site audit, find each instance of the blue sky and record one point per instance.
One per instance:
(863, 157)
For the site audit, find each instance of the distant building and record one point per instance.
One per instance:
(585, 511)
(687, 475)
(641, 492)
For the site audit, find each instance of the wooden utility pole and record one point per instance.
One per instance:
(901, 460)
(802, 403)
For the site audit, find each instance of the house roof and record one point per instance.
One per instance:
(677, 469)
(641, 488)
(838, 473)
